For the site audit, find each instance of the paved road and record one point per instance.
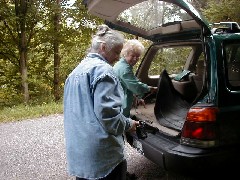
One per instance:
(34, 149)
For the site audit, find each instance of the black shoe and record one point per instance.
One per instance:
(131, 176)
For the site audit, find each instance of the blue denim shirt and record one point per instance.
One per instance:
(93, 119)
(130, 83)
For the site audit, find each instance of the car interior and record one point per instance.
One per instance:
(178, 89)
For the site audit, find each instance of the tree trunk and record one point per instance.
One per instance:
(23, 69)
(21, 9)
(56, 53)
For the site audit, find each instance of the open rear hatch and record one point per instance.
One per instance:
(150, 19)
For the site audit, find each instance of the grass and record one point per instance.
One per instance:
(21, 112)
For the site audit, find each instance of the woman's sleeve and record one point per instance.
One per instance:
(108, 96)
(133, 84)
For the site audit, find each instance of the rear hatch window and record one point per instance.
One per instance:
(150, 15)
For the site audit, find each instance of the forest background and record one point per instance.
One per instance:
(41, 43)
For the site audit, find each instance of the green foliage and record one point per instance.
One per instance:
(76, 28)
(21, 111)
(198, 4)
(222, 10)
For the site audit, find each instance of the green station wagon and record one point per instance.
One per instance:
(196, 110)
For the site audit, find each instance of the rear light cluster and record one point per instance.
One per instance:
(200, 129)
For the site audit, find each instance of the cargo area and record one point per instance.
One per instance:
(167, 109)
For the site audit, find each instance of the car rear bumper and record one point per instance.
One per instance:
(170, 155)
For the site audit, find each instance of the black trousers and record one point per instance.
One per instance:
(118, 173)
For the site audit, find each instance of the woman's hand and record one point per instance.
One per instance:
(153, 89)
(141, 102)
(134, 126)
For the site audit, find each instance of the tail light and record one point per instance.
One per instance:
(200, 129)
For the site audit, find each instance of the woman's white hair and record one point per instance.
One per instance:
(132, 45)
(108, 36)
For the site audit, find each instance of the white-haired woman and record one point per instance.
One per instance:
(130, 54)
(93, 119)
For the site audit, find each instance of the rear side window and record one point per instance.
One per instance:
(232, 53)
(172, 59)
